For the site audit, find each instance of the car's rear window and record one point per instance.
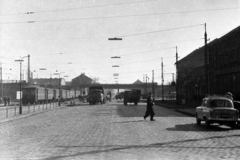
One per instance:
(220, 103)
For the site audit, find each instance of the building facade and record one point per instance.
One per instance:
(49, 81)
(223, 70)
(79, 82)
(190, 77)
(224, 64)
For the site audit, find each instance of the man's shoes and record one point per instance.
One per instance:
(152, 120)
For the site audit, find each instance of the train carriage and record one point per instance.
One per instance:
(77, 93)
(57, 93)
(69, 94)
(50, 94)
(63, 93)
(72, 94)
(33, 94)
(41, 94)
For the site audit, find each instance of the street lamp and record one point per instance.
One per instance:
(59, 78)
(20, 104)
(115, 38)
(147, 78)
(116, 57)
(59, 86)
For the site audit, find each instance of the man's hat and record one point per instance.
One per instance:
(230, 94)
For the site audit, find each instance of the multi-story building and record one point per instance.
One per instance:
(223, 71)
(224, 64)
(190, 76)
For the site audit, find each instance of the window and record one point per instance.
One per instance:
(219, 103)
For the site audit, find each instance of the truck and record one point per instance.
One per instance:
(96, 95)
(132, 96)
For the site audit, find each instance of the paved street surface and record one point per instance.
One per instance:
(114, 131)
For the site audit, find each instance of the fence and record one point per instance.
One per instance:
(12, 111)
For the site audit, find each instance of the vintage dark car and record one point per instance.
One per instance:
(217, 109)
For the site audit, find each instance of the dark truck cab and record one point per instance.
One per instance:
(132, 96)
(95, 95)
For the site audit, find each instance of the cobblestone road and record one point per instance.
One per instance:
(114, 131)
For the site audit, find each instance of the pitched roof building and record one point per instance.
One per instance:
(138, 82)
(81, 79)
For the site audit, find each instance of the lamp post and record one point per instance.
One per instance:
(116, 57)
(20, 103)
(114, 39)
(147, 78)
(59, 86)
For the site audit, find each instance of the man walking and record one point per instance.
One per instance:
(5, 100)
(149, 110)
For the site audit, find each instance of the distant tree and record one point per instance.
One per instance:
(95, 80)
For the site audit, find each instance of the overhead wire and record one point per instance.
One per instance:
(78, 8)
(120, 16)
(136, 34)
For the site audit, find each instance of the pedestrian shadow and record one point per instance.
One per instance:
(199, 128)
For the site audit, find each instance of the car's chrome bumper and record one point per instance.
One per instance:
(224, 119)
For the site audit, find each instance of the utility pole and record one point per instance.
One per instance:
(206, 62)
(177, 94)
(153, 90)
(50, 79)
(162, 82)
(146, 83)
(29, 78)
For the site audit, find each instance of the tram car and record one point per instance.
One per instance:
(35, 94)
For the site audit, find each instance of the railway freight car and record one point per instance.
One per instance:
(50, 94)
(33, 94)
(77, 93)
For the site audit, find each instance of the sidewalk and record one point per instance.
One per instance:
(179, 108)
(8, 113)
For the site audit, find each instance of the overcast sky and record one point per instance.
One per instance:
(71, 36)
